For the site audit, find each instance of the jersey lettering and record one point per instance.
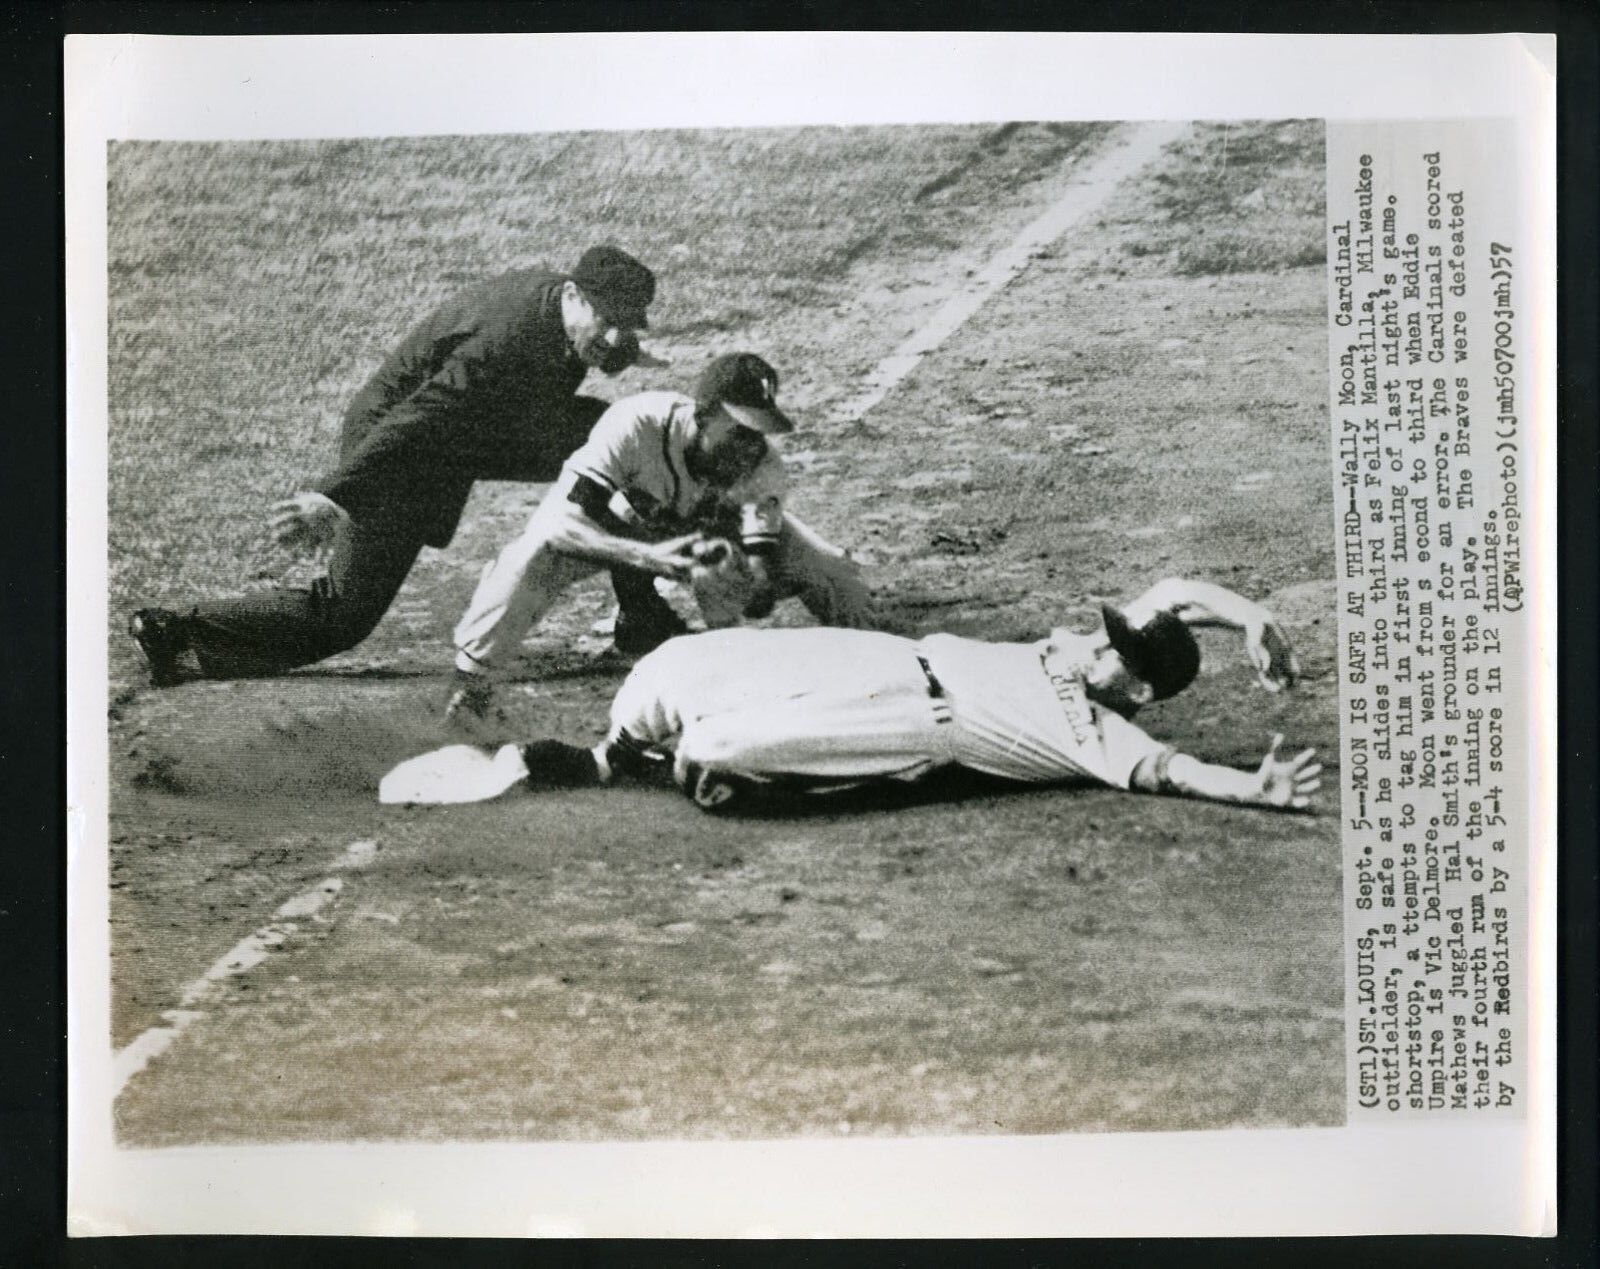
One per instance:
(1074, 702)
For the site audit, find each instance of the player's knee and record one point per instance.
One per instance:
(533, 554)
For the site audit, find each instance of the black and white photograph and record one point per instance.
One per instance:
(872, 584)
(787, 632)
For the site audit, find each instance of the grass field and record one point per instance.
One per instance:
(1146, 399)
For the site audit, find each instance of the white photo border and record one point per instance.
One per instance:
(1413, 1178)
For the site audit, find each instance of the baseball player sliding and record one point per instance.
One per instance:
(731, 712)
(672, 486)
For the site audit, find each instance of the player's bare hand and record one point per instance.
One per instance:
(1288, 783)
(307, 519)
(674, 558)
(1277, 667)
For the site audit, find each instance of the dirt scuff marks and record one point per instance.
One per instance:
(295, 744)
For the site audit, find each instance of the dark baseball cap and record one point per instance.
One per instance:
(747, 388)
(617, 285)
(1162, 652)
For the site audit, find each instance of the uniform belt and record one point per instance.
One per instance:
(935, 688)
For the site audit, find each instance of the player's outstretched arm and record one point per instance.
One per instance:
(1207, 604)
(577, 534)
(1283, 784)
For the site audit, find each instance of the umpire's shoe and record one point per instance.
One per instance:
(160, 634)
(473, 711)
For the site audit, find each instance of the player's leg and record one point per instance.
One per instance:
(646, 712)
(890, 733)
(644, 620)
(644, 728)
(756, 702)
(826, 580)
(516, 589)
(723, 671)
(726, 711)
(278, 629)
(810, 744)
(711, 673)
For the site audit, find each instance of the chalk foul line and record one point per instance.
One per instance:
(200, 995)
(1091, 186)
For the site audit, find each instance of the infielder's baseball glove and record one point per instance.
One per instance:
(725, 587)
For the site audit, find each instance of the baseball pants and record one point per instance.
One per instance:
(524, 581)
(822, 705)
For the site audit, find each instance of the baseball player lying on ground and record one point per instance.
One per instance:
(732, 712)
(672, 486)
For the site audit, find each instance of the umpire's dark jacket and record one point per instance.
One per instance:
(481, 390)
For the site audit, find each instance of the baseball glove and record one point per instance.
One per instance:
(725, 586)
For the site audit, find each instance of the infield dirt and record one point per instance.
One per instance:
(1147, 399)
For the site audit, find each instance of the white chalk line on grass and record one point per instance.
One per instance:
(244, 956)
(1091, 186)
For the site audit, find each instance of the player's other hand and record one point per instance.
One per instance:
(307, 519)
(1277, 667)
(1287, 783)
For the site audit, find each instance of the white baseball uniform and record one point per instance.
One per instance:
(833, 706)
(637, 452)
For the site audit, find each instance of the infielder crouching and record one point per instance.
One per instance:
(729, 712)
(668, 486)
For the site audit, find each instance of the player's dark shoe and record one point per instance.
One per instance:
(637, 634)
(473, 711)
(161, 638)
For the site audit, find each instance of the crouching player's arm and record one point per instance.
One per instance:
(1206, 604)
(1285, 784)
(589, 523)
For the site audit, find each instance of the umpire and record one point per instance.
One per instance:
(484, 389)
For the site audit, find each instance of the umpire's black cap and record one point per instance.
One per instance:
(617, 285)
(1162, 652)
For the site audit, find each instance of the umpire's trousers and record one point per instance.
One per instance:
(275, 630)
